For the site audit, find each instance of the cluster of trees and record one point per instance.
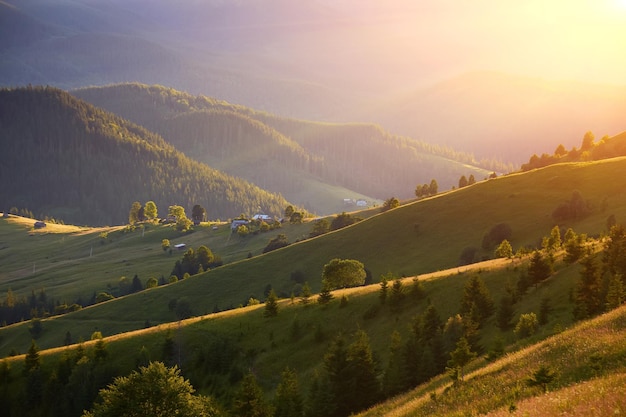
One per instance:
(14, 309)
(102, 164)
(427, 189)
(464, 181)
(589, 150)
(195, 262)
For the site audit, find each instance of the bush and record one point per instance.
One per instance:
(526, 326)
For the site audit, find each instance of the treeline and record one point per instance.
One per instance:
(14, 309)
(101, 164)
(263, 148)
(590, 150)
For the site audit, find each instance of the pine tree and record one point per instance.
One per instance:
(476, 293)
(588, 291)
(305, 294)
(288, 400)
(616, 293)
(271, 305)
(460, 357)
(324, 296)
(362, 373)
(393, 381)
(249, 400)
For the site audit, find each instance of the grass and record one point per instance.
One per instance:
(495, 388)
(421, 237)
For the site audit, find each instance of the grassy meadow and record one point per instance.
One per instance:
(417, 238)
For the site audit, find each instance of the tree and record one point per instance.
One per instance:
(342, 220)
(384, 286)
(433, 188)
(574, 246)
(361, 370)
(616, 293)
(271, 305)
(553, 243)
(165, 244)
(305, 294)
(463, 181)
(204, 257)
(542, 377)
(475, 293)
(155, 391)
(289, 210)
(560, 151)
(136, 286)
(471, 180)
(505, 313)
(539, 268)
(249, 400)
(393, 379)
(587, 143)
(504, 250)
(526, 326)
(198, 214)
(183, 224)
(390, 203)
(460, 356)
(288, 400)
(280, 241)
(150, 210)
(176, 211)
(296, 217)
(588, 291)
(324, 296)
(133, 215)
(152, 282)
(343, 273)
(320, 227)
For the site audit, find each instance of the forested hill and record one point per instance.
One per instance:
(286, 153)
(65, 158)
(590, 150)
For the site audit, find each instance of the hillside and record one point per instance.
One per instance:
(301, 334)
(102, 164)
(216, 350)
(425, 236)
(307, 162)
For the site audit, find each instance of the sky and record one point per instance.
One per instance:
(555, 39)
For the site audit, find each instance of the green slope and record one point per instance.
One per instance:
(302, 160)
(65, 158)
(425, 236)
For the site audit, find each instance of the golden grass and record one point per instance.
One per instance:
(591, 351)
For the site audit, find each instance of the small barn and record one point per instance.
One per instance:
(40, 225)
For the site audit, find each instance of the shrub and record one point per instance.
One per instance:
(526, 326)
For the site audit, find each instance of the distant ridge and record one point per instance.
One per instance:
(65, 158)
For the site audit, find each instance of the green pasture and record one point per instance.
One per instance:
(421, 237)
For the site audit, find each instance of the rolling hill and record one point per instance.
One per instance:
(64, 158)
(425, 236)
(246, 53)
(309, 163)
(412, 240)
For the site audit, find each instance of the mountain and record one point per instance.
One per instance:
(504, 116)
(64, 158)
(308, 162)
(319, 60)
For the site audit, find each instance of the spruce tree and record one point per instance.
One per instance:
(249, 399)
(271, 305)
(288, 400)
